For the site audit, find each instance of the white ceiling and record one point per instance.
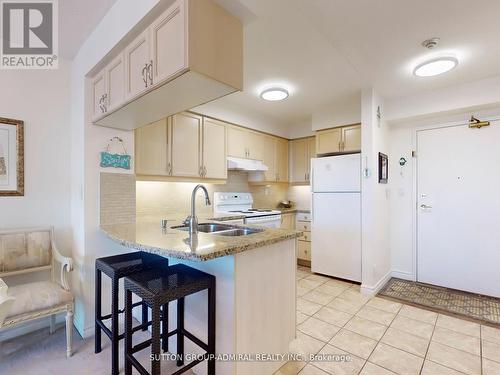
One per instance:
(77, 19)
(326, 50)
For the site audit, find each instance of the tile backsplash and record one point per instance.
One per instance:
(156, 198)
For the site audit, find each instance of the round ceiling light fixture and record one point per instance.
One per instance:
(274, 94)
(436, 66)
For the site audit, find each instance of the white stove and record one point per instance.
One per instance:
(241, 204)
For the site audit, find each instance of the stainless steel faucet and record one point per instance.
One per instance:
(192, 220)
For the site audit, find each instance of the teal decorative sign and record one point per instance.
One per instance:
(114, 160)
(109, 160)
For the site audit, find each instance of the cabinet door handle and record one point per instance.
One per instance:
(145, 75)
(204, 171)
(150, 72)
(169, 169)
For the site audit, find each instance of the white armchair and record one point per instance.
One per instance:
(34, 250)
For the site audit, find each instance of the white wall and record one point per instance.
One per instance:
(341, 112)
(41, 99)
(376, 256)
(87, 141)
(458, 98)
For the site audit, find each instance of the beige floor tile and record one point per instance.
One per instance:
(332, 316)
(366, 327)
(376, 315)
(433, 368)
(290, 368)
(457, 340)
(305, 345)
(345, 305)
(318, 329)
(415, 327)
(309, 284)
(301, 290)
(318, 297)
(356, 287)
(307, 307)
(418, 314)
(301, 317)
(384, 304)
(312, 370)
(490, 367)
(354, 343)
(333, 290)
(373, 369)
(454, 358)
(340, 283)
(345, 364)
(491, 350)
(303, 273)
(490, 334)
(354, 296)
(396, 360)
(320, 278)
(406, 341)
(458, 325)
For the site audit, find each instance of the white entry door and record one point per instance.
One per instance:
(458, 203)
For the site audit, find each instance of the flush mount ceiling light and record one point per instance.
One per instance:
(274, 94)
(435, 66)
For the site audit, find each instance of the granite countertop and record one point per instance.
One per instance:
(147, 235)
(293, 210)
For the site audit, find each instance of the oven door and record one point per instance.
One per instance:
(268, 221)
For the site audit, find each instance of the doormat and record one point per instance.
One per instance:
(463, 304)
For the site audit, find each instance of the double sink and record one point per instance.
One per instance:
(221, 229)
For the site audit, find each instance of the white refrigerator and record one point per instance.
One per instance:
(336, 216)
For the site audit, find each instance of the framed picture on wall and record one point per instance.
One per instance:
(11, 157)
(383, 168)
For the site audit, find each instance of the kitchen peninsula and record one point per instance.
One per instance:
(255, 276)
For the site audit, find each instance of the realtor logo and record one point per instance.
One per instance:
(29, 34)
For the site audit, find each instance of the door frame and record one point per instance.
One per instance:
(414, 142)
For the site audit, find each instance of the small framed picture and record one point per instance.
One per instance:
(383, 168)
(11, 157)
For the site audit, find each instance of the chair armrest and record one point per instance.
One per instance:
(66, 265)
(5, 301)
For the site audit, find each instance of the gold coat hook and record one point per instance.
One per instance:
(475, 123)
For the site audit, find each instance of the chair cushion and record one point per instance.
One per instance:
(36, 296)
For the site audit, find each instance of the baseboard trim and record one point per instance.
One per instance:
(371, 290)
(403, 275)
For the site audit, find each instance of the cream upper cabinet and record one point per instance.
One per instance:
(298, 160)
(351, 138)
(115, 82)
(281, 159)
(269, 157)
(99, 94)
(138, 72)
(169, 43)
(244, 143)
(236, 142)
(328, 141)
(342, 139)
(311, 144)
(214, 164)
(185, 141)
(255, 145)
(151, 146)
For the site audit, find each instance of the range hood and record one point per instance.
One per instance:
(241, 164)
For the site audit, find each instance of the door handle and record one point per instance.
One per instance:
(425, 207)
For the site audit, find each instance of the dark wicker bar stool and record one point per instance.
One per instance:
(117, 267)
(157, 287)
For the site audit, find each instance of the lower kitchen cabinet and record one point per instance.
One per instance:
(304, 243)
